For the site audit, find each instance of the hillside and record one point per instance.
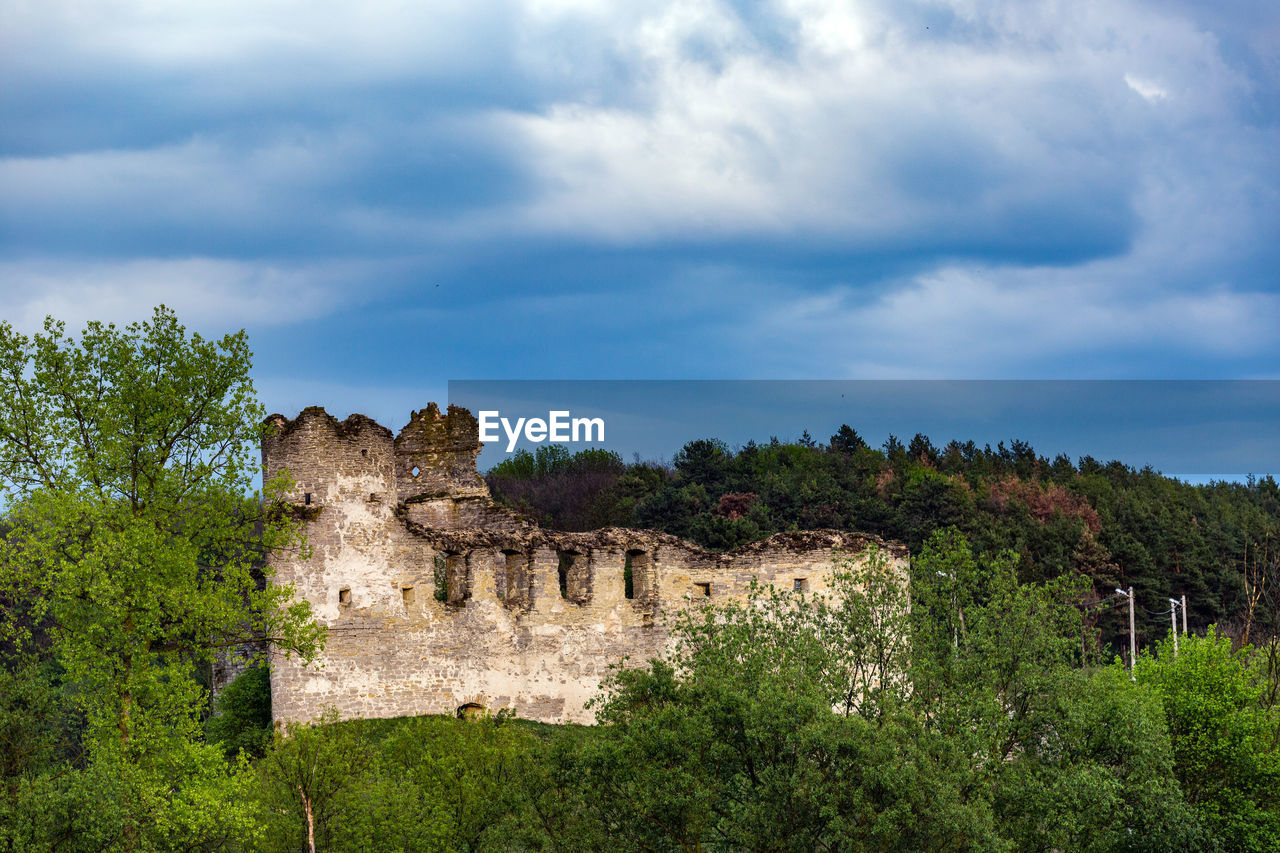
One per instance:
(1217, 544)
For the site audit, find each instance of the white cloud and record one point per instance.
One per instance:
(868, 128)
(206, 293)
(295, 40)
(1150, 91)
(964, 322)
(852, 123)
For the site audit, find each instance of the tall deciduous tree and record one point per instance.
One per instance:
(126, 461)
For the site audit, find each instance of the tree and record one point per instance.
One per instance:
(410, 784)
(243, 718)
(847, 440)
(1225, 734)
(126, 458)
(780, 724)
(1072, 761)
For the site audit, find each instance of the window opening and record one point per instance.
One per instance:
(456, 578)
(800, 585)
(344, 596)
(566, 561)
(574, 580)
(515, 577)
(704, 589)
(636, 577)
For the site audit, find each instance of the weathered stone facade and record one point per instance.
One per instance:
(437, 599)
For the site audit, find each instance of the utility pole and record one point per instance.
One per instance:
(1133, 640)
(955, 634)
(1184, 613)
(1133, 637)
(1173, 617)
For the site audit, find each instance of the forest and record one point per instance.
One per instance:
(1217, 544)
(979, 705)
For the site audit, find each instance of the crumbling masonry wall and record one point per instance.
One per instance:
(436, 598)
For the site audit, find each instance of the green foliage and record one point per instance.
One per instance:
(125, 457)
(1093, 771)
(551, 459)
(183, 797)
(420, 784)
(1116, 526)
(1225, 734)
(735, 744)
(950, 713)
(1071, 760)
(38, 723)
(242, 720)
(561, 489)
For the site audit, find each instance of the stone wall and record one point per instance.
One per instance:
(436, 598)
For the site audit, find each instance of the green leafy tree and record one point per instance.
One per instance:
(243, 718)
(311, 785)
(1069, 760)
(415, 784)
(125, 459)
(1225, 734)
(781, 724)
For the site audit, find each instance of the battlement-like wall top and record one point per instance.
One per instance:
(434, 459)
(354, 425)
(436, 455)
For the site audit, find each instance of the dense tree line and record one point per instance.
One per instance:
(1218, 544)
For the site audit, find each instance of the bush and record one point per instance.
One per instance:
(243, 718)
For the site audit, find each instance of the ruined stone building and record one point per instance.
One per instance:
(437, 599)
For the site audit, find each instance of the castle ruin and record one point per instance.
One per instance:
(438, 600)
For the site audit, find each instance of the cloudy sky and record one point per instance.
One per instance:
(389, 195)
